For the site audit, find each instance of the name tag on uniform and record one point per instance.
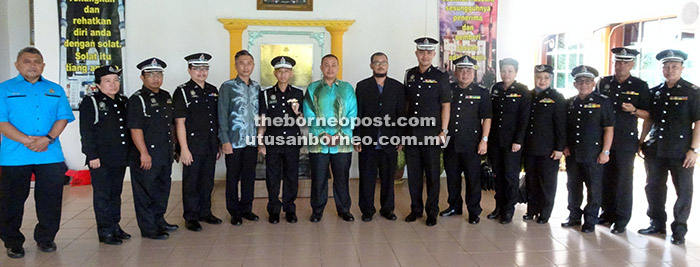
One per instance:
(514, 95)
(630, 93)
(154, 103)
(429, 81)
(170, 101)
(547, 101)
(591, 106)
(678, 98)
(472, 97)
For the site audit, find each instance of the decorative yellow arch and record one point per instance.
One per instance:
(235, 28)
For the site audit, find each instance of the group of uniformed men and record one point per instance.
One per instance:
(596, 131)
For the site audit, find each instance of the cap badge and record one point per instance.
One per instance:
(154, 63)
(202, 58)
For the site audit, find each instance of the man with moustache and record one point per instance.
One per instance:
(470, 123)
(674, 146)
(330, 99)
(631, 98)
(378, 97)
(197, 125)
(589, 126)
(281, 101)
(33, 113)
(545, 139)
(150, 118)
(428, 96)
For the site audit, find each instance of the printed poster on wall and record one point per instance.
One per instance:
(468, 27)
(92, 35)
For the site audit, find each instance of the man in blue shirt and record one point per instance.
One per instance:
(238, 106)
(33, 113)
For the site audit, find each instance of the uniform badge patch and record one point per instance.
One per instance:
(103, 106)
(514, 95)
(51, 91)
(678, 98)
(630, 93)
(472, 97)
(547, 100)
(429, 81)
(592, 105)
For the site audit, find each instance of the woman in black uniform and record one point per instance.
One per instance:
(105, 140)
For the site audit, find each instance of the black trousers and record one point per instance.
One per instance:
(15, 184)
(423, 160)
(340, 166)
(591, 174)
(282, 166)
(151, 192)
(541, 182)
(240, 168)
(107, 185)
(469, 164)
(197, 185)
(372, 162)
(506, 165)
(657, 176)
(618, 175)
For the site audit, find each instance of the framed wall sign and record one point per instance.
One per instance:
(288, 5)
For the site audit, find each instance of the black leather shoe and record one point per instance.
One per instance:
(652, 230)
(211, 219)
(431, 221)
(366, 217)
(388, 215)
(169, 227)
(346, 216)
(47, 247)
(193, 226)
(617, 230)
(158, 236)
(474, 220)
(449, 212)
(494, 214)
(236, 221)
(528, 217)
(588, 228)
(110, 240)
(315, 217)
(412, 217)
(674, 240)
(250, 216)
(542, 220)
(122, 235)
(570, 223)
(291, 217)
(15, 253)
(505, 220)
(274, 218)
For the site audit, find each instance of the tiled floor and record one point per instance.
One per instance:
(333, 242)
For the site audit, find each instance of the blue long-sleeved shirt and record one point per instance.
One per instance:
(238, 106)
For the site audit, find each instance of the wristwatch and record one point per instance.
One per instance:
(445, 131)
(51, 139)
(606, 152)
(485, 138)
(696, 150)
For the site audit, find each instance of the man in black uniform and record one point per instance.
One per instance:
(196, 122)
(545, 140)
(428, 95)
(282, 101)
(150, 114)
(674, 146)
(589, 128)
(105, 142)
(382, 97)
(631, 98)
(470, 123)
(511, 110)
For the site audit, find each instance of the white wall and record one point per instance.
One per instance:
(14, 34)
(172, 29)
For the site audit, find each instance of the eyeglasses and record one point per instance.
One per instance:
(584, 81)
(380, 63)
(153, 74)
